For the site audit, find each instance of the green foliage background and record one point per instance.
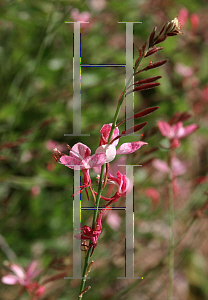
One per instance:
(36, 54)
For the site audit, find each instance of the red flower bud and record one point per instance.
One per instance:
(146, 86)
(134, 129)
(147, 80)
(154, 50)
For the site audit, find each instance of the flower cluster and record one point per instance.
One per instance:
(80, 158)
(88, 233)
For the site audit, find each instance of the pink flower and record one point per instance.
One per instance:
(87, 233)
(122, 182)
(35, 190)
(79, 155)
(50, 145)
(183, 70)
(21, 277)
(176, 132)
(113, 169)
(113, 220)
(77, 16)
(178, 167)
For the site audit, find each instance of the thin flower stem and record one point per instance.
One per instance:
(84, 272)
(93, 194)
(93, 226)
(106, 176)
(171, 220)
(99, 193)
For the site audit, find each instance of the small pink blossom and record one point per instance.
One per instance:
(178, 167)
(113, 220)
(25, 278)
(183, 70)
(122, 182)
(79, 158)
(79, 155)
(114, 167)
(21, 277)
(176, 132)
(35, 190)
(50, 145)
(87, 233)
(82, 17)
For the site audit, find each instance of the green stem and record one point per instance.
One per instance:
(85, 271)
(120, 102)
(98, 201)
(171, 220)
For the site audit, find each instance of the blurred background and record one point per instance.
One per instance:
(36, 54)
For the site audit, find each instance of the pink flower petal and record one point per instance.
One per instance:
(113, 220)
(160, 165)
(189, 129)
(127, 148)
(184, 70)
(105, 131)
(19, 271)
(178, 167)
(94, 161)
(70, 162)
(10, 279)
(109, 150)
(119, 180)
(31, 272)
(81, 149)
(126, 184)
(165, 129)
(178, 130)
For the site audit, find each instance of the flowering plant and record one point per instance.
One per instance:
(80, 155)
